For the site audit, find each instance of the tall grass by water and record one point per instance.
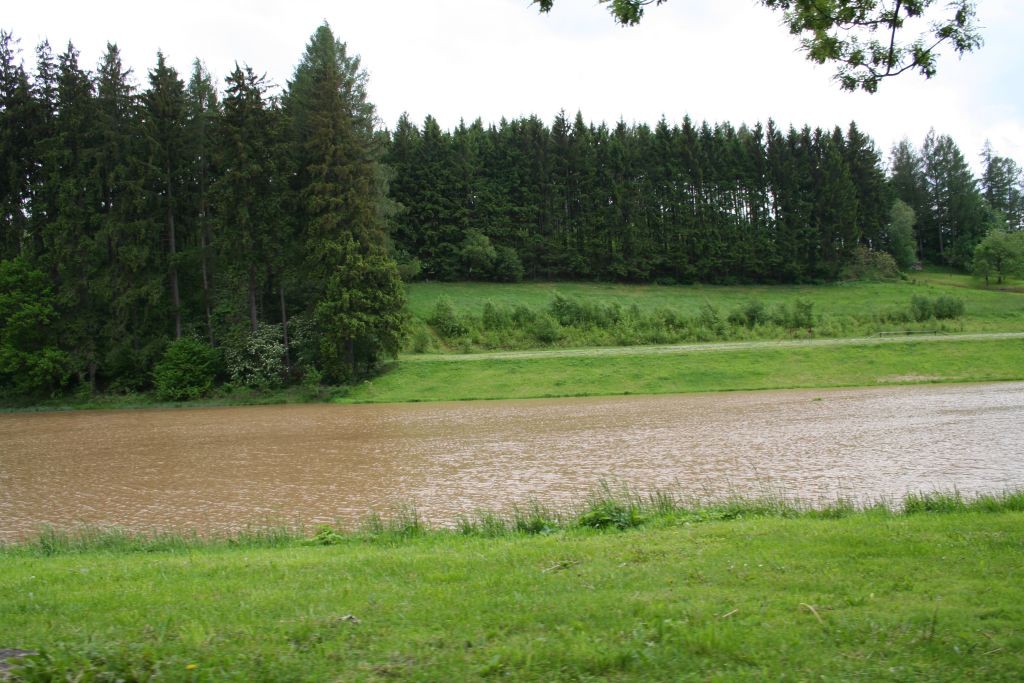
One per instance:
(607, 507)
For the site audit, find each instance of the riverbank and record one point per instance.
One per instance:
(741, 591)
(635, 370)
(638, 370)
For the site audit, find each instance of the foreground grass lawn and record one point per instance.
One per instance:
(644, 373)
(872, 596)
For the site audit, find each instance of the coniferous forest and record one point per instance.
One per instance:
(151, 229)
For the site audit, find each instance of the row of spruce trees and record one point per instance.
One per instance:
(132, 219)
(267, 226)
(681, 203)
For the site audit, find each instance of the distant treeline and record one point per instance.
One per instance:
(680, 202)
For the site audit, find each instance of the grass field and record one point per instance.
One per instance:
(987, 309)
(746, 594)
(903, 362)
(483, 317)
(945, 277)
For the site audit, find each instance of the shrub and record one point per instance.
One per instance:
(257, 359)
(445, 321)
(947, 307)
(495, 317)
(507, 265)
(803, 313)
(546, 329)
(750, 315)
(186, 371)
(944, 307)
(868, 264)
(709, 319)
(920, 308)
(522, 315)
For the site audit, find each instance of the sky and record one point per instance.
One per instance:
(720, 60)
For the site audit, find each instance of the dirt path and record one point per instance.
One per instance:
(708, 347)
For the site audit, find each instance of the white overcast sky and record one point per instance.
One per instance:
(720, 60)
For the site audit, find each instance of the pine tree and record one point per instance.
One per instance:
(203, 111)
(17, 111)
(342, 201)
(247, 200)
(956, 212)
(71, 254)
(165, 134)
(873, 193)
(131, 277)
(1003, 185)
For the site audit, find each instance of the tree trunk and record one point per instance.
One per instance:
(284, 328)
(252, 299)
(350, 355)
(204, 241)
(175, 295)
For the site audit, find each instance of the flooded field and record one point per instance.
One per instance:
(221, 469)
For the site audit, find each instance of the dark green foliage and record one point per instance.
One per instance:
(673, 204)
(507, 266)
(361, 315)
(1003, 185)
(187, 370)
(31, 363)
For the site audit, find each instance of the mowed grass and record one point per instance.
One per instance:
(986, 309)
(699, 371)
(868, 596)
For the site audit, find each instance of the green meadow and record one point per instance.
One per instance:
(748, 592)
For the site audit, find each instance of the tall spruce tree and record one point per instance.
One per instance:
(72, 254)
(17, 112)
(165, 132)
(343, 206)
(131, 281)
(1002, 182)
(247, 199)
(956, 215)
(873, 193)
(203, 111)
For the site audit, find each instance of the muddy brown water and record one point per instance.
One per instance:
(221, 469)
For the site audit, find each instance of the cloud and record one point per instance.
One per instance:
(725, 60)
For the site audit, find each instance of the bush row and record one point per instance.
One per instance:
(566, 321)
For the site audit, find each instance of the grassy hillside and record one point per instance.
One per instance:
(730, 596)
(851, 298)
(472, 317)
